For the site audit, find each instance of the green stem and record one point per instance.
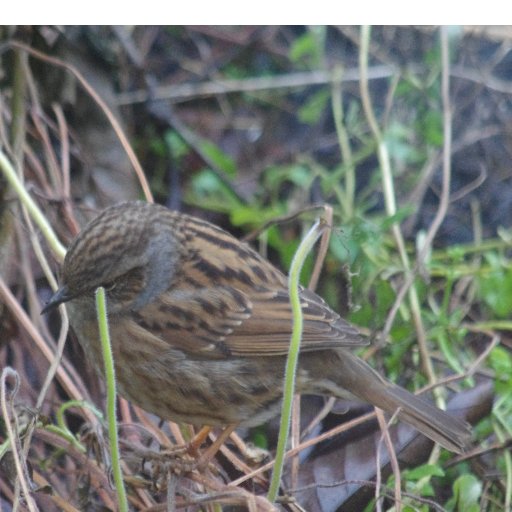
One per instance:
(344, 142)
(293, 354)
(110, 378)
(31, 206)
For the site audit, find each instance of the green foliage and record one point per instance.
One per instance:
(432, 127)
(314, 107)
(398, 141)
(419, 472)
(496, 285)
(307, 50)
(175, 145)
(363, 238)
(259, 437)
(424, 131)
(218, 157)
(500, 360)
(276, 176)
(467, 491)
(255, 215)
(420, 480)
(209, 191)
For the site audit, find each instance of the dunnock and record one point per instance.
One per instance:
(200, 325)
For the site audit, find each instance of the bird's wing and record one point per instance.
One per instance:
(218, 322)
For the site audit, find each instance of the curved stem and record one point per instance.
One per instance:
(110, 378)
(293, 355)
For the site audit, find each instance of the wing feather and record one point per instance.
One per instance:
(222, 321)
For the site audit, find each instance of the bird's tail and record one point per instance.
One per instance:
(365, 383)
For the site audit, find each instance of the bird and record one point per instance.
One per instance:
(200, 326)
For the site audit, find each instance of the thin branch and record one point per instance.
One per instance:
(384, 427)
(28, 202)
(188, 91)
(103, 106)
(13, 436)
(19, 313)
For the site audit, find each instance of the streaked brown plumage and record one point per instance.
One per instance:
(200, 325)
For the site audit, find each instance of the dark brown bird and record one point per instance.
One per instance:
(200, 325)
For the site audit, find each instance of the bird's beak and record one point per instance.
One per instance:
(59, 297)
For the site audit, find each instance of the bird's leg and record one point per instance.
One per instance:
(205, 458)
(201, 460)
(196, 442)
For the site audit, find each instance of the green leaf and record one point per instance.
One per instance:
(299, 175)
(314, 107)
(307, 49)
(496, 290)
(500, 361)
(255, 215)
(398, 141)
(426, 470)
(218, 157)
(401, 214)
(209, 191)
(432, 127)
(467, 489)
(259, 437)
(178, 148)
(342, 247)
